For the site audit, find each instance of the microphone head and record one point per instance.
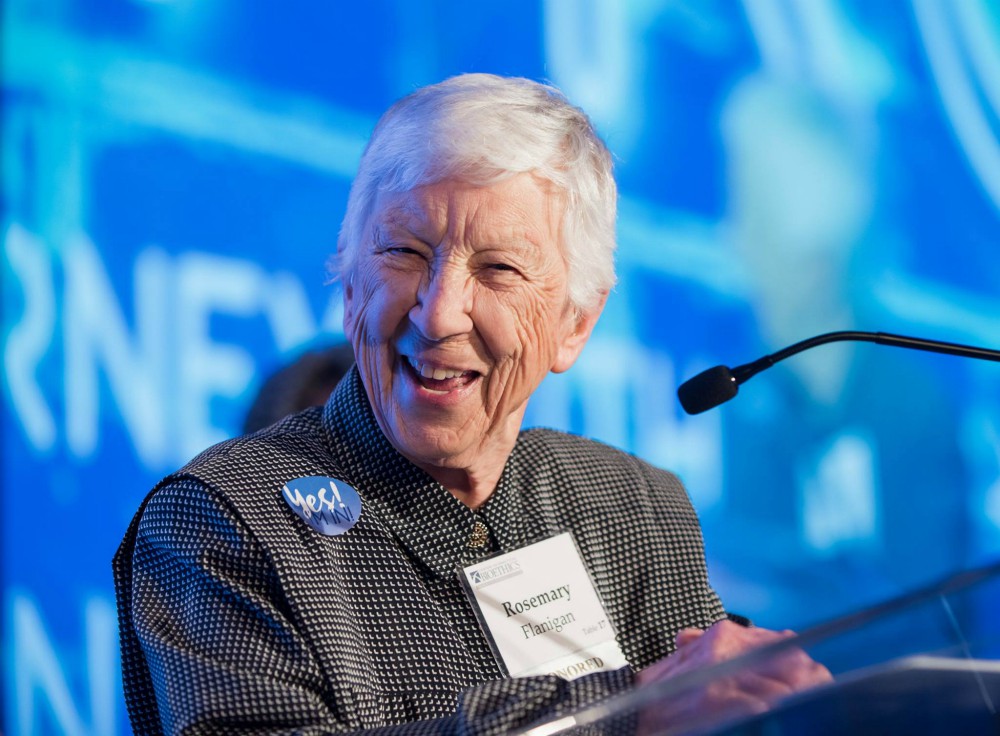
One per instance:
(708, 389)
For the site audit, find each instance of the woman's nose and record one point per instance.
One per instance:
(444, 305)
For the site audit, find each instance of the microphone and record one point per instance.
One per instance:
(719, 384)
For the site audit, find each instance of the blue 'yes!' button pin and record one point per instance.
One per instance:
(328, 505)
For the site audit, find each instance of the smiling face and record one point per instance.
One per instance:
(457, 308)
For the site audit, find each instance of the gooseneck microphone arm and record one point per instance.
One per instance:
(717, 385)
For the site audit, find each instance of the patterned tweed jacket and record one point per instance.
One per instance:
(236, 617)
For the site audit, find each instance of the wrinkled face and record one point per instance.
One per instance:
(457, 308)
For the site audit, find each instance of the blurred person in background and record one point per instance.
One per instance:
(306, 381)
(802, 220)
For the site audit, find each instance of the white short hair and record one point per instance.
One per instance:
(480, 129)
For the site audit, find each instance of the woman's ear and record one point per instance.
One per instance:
(579, 325)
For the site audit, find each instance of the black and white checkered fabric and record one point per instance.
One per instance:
(236, 617)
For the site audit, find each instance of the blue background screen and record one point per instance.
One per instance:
(175, 172)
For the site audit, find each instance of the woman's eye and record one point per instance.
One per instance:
(501, 267)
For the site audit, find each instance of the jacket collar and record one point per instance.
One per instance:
(433, 525)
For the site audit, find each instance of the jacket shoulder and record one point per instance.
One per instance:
(294, 443)
(594, 460)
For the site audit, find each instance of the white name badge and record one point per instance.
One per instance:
(542, 613)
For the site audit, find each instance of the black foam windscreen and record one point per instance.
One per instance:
(708, 389)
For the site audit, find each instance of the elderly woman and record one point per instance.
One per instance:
(475, 256)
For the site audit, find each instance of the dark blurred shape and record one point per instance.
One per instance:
(305, 382)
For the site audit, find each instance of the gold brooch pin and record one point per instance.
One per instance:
(480, 536)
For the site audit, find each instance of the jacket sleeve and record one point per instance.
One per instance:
(209, 647)
(678, 520)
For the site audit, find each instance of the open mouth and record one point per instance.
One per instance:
(436, 378)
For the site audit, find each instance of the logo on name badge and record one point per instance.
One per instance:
(329, 506)
(494, 572)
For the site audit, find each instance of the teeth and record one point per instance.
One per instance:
(438, 374)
